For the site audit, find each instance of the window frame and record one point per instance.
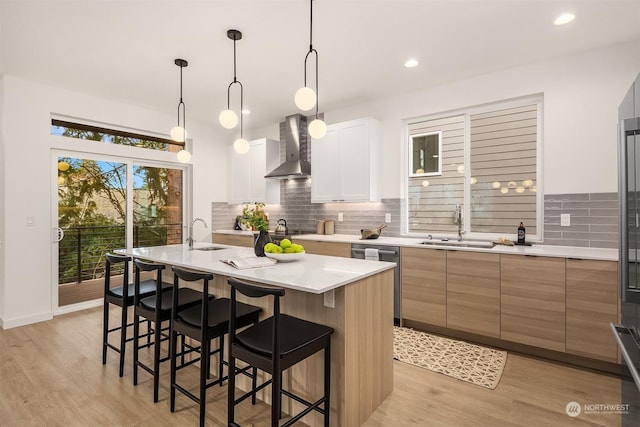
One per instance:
(538, 100)
(410, 164)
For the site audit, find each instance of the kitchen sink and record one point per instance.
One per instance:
(459, 244)
(210, 248)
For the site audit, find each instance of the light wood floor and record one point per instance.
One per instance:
(51, 374)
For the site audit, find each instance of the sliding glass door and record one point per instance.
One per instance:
(104, 204)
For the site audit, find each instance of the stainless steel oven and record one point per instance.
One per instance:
(388, 254)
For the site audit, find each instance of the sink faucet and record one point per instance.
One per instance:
(457, 219)
(190, 238)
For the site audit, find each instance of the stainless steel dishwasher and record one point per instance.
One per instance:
(388, 254)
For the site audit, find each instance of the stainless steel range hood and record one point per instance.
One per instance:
(295, 136)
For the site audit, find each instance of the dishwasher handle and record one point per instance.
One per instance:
(380, 251)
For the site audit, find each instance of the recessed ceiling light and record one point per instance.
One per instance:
(565, 18)
(411, 63)
(245, 111)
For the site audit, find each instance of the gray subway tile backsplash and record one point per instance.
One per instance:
(594, 216)
(594, 220)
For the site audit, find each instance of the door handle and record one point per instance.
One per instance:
(58, 234)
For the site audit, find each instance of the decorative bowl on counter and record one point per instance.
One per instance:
(284, 257)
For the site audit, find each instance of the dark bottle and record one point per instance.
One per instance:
(521, 234)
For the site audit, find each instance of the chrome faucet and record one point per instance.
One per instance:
(457, 219)
(190, 238)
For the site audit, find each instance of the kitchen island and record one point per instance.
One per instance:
(355, 297)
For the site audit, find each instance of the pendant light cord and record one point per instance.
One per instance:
(315, 52)
(236, 81)
(181, 103)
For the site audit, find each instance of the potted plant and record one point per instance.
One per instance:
(255, 219)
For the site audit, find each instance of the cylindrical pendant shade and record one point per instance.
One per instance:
(317, 129)
(241, 146)
(184, 156)
(305, 98)
(228, 119)
(178, 134)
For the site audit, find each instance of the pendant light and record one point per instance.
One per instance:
(179, 133)
(305, 97)
(228, 118)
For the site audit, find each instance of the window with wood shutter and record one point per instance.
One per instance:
(503, 170)
(490, 165)
(432, 199)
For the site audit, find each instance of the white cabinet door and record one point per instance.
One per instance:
(258, 158)
(344, 163)
(355, 150)
(239, 178)
(325, 175)
(247, 183)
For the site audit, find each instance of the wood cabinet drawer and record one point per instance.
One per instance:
(424, 285)
(473, 292)
(533, 301)
(592, 303)
(319, 247)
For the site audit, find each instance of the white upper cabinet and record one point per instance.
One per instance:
(247, 183)
(345, 163)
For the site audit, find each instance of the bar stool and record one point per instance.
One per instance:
(204, 322)
(273, 346)
(156, 310)
(121, 296)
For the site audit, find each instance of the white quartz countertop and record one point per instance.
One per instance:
(312, 273)
(533, 250)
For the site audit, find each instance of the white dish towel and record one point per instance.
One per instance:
(371, 254)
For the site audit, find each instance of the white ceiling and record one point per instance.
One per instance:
(124, 50)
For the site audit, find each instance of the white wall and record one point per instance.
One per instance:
(581, 97)
(27, 167)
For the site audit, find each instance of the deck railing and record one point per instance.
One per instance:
(81, 252)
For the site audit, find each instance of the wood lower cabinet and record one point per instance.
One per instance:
(533, 301)
(423, 275)
(473, 292)
(233, 239)
(319, 247)
(592, 303)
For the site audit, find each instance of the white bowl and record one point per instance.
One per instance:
(285, 257)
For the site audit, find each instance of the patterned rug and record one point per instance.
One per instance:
(467, 362)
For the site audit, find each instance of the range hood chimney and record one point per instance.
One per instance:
(295, 136)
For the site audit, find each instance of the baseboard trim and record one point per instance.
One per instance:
(65, 309)
(27, 320)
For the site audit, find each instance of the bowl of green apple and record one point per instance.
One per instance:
(284, 252)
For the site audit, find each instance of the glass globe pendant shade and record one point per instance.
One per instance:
(178, 134)
(317, 129)
(184, 156)
(305, 98)
(228, 119)
(241, 146)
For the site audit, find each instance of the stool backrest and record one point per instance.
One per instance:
(256, 291)
(192, 276)
(141, 265)
(116, 259)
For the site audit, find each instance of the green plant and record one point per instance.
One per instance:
(254, 217)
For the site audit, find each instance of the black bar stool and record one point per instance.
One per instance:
(204, 322)
(121, 296)
(273, 346)
(156, 310)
